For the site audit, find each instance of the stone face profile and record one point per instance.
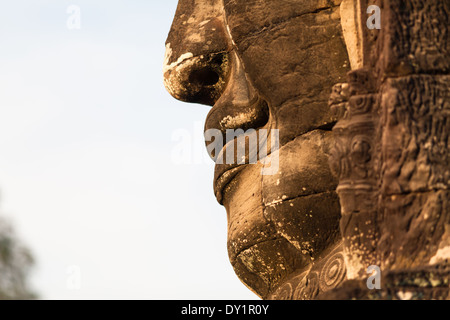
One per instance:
(362, 130)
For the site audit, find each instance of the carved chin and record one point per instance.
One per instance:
(280, 224)
(260, 257)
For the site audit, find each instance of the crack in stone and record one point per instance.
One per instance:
(276, 24)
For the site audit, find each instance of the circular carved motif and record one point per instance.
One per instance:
(285, 292)
(333, 272)
(307, 289)
(361, 104)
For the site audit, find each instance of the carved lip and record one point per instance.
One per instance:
(224, 173)
(227, 115)
(224, 179)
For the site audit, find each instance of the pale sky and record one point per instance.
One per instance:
(88, 174)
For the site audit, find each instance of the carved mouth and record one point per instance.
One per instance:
(224, 179)
(225, 116)
(251, 146)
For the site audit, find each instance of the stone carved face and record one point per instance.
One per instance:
(264, 64)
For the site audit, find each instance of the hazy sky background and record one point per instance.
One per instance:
(87, 171)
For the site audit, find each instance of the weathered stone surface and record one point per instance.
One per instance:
(260, 256)
(419, 223)
(394, 190)
(266, 265)
(252, 17)
(415, 38)
(429, 283)
(196, 67)
(271, 65)
(308, 54)
(303, 169)
(416, 134)
(308, 222)
(272, 69)
(352, 28)
(323, 276)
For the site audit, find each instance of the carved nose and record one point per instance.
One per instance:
(199, 79)
(196, 65)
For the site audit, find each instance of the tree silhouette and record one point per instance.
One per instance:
(15, 264)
